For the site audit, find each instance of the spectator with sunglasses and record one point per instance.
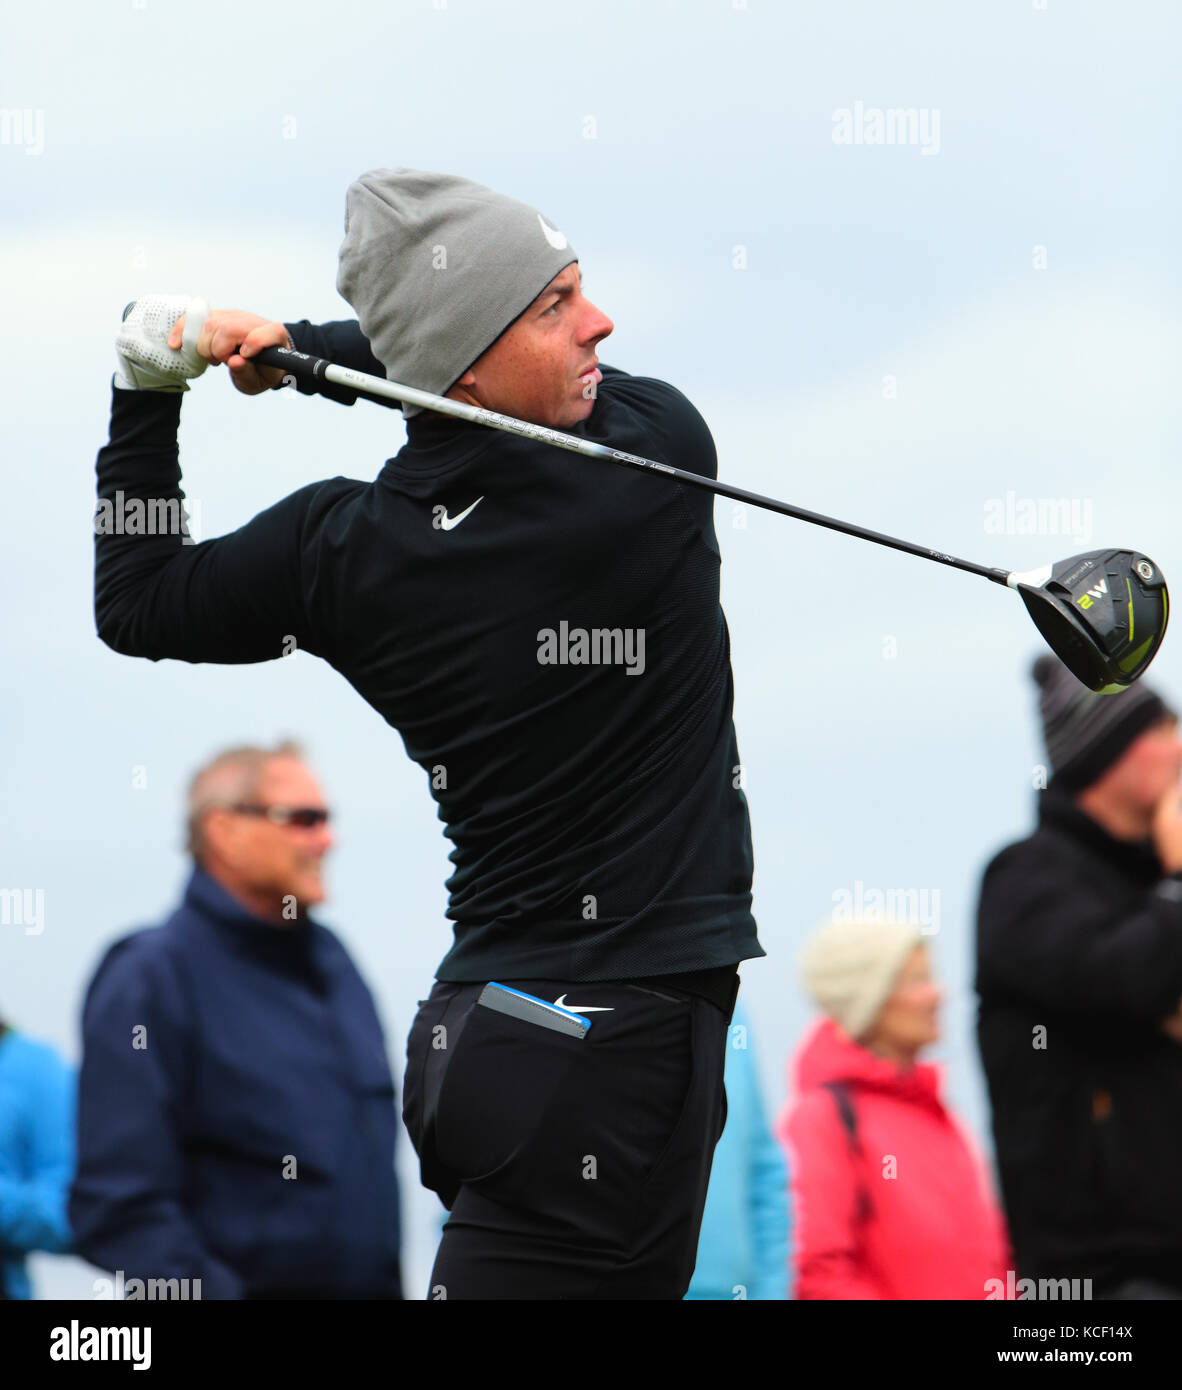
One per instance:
(236, 1119)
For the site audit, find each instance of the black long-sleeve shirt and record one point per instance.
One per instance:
(599, 825)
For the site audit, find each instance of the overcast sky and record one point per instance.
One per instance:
(927, 337)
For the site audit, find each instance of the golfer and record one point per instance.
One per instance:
(546, 637)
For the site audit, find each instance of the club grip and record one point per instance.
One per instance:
(310, 376)
(298, 364)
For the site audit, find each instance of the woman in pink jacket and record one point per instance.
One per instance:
(890, 1198)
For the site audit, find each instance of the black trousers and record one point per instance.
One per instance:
(571, 1167)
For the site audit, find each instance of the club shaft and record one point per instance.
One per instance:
(309, 368)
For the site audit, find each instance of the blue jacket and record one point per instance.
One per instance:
(745, 1228)
(236, 1117)
(36, 1155)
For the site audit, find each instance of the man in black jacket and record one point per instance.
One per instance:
(591, 787)
(1079, 973)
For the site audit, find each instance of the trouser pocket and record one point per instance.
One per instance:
(496, 1091)
(427, 1055)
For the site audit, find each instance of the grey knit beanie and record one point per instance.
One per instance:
(437, 267)
(1086, 733)
(850, 968)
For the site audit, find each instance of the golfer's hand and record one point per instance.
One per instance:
(1167, 830)
(225, 331)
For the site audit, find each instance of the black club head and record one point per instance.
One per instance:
(1103, 613)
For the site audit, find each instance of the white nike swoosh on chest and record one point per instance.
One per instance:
(448, 523)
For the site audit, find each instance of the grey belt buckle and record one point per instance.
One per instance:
(532, 1010)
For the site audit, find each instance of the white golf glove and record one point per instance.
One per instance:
(146, 362)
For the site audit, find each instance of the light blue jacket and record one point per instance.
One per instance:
(744, 1246)
(37, 1093)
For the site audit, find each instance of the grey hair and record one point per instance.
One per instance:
(229, 777)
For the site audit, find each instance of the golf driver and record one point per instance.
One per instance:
(1103, 613)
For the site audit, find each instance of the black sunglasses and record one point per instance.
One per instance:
(304, 816)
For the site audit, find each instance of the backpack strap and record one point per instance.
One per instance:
(849, 1121)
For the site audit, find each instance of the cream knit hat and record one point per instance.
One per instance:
(850, 968)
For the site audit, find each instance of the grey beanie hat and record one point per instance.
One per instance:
(1085, 733)
(437, 267)
(850, 968)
